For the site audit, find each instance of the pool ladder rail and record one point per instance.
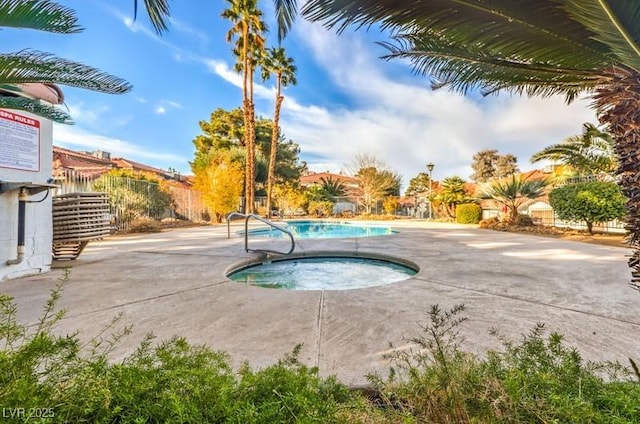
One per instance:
(247, 217)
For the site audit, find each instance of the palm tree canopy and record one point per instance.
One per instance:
(591, 152)
(276, 62)
(333, 187)
(245, 16)
(513, 190)
(540, 47)
(452, 190)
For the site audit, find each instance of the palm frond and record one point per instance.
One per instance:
(593, 151)
(31, 66)
(492, 45)
(464, 66)
(487, 20)
(614, 23)
(42, 15)
(286, 11)
(34, 106)
(158, 11)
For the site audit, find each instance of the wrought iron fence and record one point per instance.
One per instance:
(130, 199)
(543, 214)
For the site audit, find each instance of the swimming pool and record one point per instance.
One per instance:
(325, 272)
(324, 229)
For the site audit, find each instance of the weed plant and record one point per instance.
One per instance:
(538, 380)
(51, 378)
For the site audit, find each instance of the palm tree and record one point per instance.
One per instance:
(513, 192)
(541, 48)
(452, 192)
(592, 152)
(32, 66)
(158, 11)
(332, 187)
(276, 62)
(247, 27)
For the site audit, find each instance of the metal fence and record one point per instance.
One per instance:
(343, 206)
(545, 215)
(131, 199)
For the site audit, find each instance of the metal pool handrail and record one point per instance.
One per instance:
(246, 232)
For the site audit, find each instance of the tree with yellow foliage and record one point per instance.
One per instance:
(218, 177)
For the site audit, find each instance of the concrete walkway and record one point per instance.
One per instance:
(173, 283)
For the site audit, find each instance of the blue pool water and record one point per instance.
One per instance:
(323, 273)
(323, 229)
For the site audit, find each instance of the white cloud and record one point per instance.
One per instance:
(406, 124)
(163, 106)
(190, 31)
(173, 104)
(76, 137)
(223, 70)
(83, 115)
(397, 118)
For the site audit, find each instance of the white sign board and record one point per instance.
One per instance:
(19, 142)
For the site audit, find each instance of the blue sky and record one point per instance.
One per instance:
(347, 101)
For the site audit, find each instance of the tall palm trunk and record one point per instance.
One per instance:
(251, 142)
(248, 140)
(619, 106)
(274, 143)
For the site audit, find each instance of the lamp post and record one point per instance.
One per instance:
(430, 167)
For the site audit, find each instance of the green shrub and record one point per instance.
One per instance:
(590, 202)
(320, 208)
(287, 392)
(169, 382)
(536, 380)
(468, 213)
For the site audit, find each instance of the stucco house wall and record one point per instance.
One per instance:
(38, 222)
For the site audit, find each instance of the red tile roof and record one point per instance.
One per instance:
(316, 178)
(85, 164)
(136, 166)
(535, 174)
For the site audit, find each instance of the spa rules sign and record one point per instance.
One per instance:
(19, 142)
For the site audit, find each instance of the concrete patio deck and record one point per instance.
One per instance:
(173, 283)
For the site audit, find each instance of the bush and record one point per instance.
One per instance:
(390, 205)
(536, 380)
(168, 382)
(489, 222)
(145, 225)
(320, 208)
(468, 213)
(523, 221)
(590, 202)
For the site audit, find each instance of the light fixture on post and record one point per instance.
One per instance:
(430, 167)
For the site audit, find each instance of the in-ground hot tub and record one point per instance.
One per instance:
(324, 271)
